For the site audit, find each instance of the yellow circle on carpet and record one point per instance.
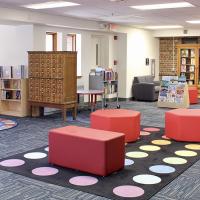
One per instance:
(137, 154)
(186, 153)
(175, 160)
(149, 148)
(161, 142)
(193, 146)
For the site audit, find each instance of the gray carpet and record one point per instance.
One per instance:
(32, 133)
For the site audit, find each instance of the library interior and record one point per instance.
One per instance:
(99, 99)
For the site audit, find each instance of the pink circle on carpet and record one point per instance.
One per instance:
(144, 133)
(151, 129)
(45, 171)
(165, 137)
(12, 163)
(128, 191)
(83, 180)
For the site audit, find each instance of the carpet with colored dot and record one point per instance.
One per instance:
(150, 164)
(7, 123)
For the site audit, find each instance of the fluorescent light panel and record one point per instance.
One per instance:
(164, 27)
(194, 22)
(163, 6)
(50, 4)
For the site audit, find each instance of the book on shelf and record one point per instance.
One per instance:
(7, 72)
(5, 84)
(183, 68)
(183, 61)
(192, 61)
(1, 71)
(15, 72)
(18, 94)
(192, 68)
(16, 84)
(192, 76)
(7, 94)
(190, 82)
(192, 53)
(184, 53)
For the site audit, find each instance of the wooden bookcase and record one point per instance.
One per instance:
(52, 80)
(188, 63)
(14, 97)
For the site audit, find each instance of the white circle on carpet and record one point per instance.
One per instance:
(35, 155)
(147, 179)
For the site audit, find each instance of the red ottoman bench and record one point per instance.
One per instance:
(183, 124)
(85, 149)
(193, 95)
(118, 120)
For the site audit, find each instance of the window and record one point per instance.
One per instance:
(74, 44)
(71, 42)
(51, 41)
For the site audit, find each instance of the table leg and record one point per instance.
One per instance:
(102, 102)
(64, 113)
(92, 103)
(75, 112)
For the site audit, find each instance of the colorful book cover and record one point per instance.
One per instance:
(183, 68)
(192, 68)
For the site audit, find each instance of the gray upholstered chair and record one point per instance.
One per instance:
(145, 88)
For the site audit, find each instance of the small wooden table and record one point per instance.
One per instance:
(92, 96)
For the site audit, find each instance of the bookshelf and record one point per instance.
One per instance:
(13, 97)
(52, 81)
(188, 63)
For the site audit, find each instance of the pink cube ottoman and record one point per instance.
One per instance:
(85, 149)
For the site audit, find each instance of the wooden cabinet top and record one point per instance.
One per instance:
(52, 52)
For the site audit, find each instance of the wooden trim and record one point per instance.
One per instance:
(54, 35)
(73, 37)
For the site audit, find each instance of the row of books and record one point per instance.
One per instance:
(189, 68)
(16, 72)
(108, 74)
(15, 95)
(7, 84)
(187, 53)
(110, 89)
(190, 61)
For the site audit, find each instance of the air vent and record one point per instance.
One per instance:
(190, 40)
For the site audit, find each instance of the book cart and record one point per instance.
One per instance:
(107, 81)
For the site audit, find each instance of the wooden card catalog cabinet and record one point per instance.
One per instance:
(52, 80)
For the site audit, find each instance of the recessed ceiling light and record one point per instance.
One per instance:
(163, 6)
(50, 4)
(194, 22)
(164, 27)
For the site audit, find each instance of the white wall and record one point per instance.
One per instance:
(121, 57)
(15, 41)
(141, 44)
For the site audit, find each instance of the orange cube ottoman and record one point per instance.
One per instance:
(193, 95)
(85, 149)
(118, 120)
(183, 124)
